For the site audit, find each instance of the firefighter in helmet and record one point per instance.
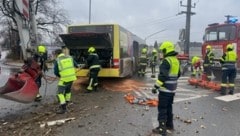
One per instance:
(228, 61)
(197, 66)
(208, 62)
(40, 56)
(153, 62)
(64, 68)
(142, 62)
(166, 85)
(94, 68)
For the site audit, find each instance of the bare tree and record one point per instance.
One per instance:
(50, 18)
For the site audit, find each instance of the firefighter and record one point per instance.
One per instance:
(208, 62)
(153, 62)
(166, 85)
(64, 68)
(197, 66)
(142, 62)
(94, 68)
(40, 56)
(228, 61)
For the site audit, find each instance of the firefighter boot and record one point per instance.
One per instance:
(223, 90)
(169, 123)
(161, 129)
(231, 91)
(38, 98)
(62, 109)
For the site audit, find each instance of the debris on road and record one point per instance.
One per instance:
(141, 100)
(57, 122)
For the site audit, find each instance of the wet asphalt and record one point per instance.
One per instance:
(197, 112)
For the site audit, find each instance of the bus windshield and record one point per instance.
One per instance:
(220, 33)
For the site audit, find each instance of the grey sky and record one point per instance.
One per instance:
(145, 17)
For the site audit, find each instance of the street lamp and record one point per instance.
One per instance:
(89, 11)
(153, 34)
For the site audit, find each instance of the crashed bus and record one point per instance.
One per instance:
(118, 48)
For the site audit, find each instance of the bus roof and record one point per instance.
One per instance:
(97, 24)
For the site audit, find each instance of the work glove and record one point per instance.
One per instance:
(154, 90)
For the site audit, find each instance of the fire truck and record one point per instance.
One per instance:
(218, 35)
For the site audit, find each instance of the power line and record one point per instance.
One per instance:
(153, 22)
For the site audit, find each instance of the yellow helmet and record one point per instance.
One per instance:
(154, 51)
(230, 46)
(144, 51)
(91, 49)
(209, 47)
(167, 47)
(41, 48)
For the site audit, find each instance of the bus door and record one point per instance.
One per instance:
(135, 55)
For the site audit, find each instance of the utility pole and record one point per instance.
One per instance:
(90, 8)
(188, 22)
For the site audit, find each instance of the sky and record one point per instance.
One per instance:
(153, 20)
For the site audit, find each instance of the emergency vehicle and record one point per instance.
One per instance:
(218, 35)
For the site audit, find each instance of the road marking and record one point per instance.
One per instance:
(228, 98)
(182, 94)
(190, 98)
(155, 122)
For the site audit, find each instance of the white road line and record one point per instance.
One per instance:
(185, 94)
(148, 96)
(228, 98)
(186, 99)
(154, 122)
(138, 93)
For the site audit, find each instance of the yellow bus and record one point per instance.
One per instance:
(118, 48)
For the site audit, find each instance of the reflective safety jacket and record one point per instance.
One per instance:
(208, 60)
(229, 60)
(143, 59)
(169, 73)
(93, 61)
(65, 65)
(153, 59)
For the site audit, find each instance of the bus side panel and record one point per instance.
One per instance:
(116, 46)
(125, 46)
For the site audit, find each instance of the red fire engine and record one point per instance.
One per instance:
(218, 36)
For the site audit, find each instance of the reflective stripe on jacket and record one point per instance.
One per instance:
(208, 58)
(93, 61)
(143, 59)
